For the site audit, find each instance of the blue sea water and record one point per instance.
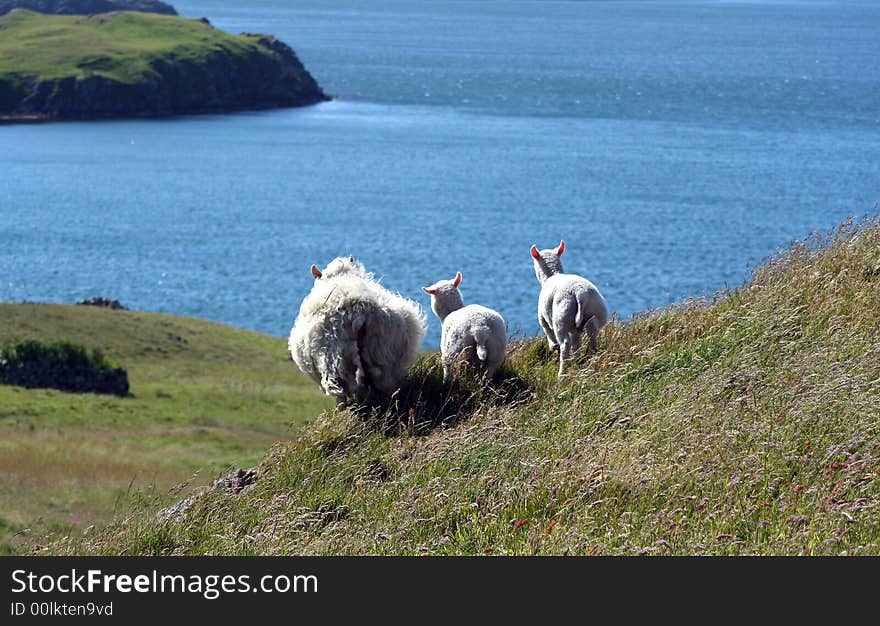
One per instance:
(673, 145)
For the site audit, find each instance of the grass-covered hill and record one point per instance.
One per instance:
(744, 425)
(204, 397)
(140, 64)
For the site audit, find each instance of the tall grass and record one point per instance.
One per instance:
(743, 424)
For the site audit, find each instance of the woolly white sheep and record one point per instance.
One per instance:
(352, 336)
(568, 307)
(475, 330)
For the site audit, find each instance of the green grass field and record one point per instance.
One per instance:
(745, 425)
(116, 45)
(204, 397)
(119, 46)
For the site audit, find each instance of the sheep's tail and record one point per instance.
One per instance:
(482, 350)
(481, 339)
(581, 319)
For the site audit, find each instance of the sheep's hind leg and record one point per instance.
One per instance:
(548, 330)
(577, 340)
(491, 371)
(592, 328)
(486, 371)
(564, 352)
(447, 371)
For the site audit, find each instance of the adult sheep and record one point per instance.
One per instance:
(352, 336)
(569, 305)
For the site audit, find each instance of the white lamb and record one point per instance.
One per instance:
(352, 336)
(475, 330)
(568, 307)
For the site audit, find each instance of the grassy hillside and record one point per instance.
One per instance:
(746, 425)
(205, 397)
(120, 46)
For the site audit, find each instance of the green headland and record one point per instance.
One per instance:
(130, 64)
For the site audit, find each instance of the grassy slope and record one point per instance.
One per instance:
(220, 399)
(119, 46)
(746, 426)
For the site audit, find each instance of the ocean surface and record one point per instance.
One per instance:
(673, 145)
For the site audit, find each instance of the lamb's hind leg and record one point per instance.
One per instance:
(548, 330)
(592, 330)
(564, 351)
(448, 366)
(490, 371)
(577, 340)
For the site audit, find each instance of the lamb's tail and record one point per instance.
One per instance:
(581, 319)
(481, 340)
(482, 350)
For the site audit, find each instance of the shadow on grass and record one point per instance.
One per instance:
(424, 402)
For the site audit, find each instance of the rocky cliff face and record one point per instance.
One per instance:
(270, 76)
(86, 7)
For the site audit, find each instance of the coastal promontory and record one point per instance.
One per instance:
(135, 64)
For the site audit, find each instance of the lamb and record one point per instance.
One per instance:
(352, 336)
(473, 330)
(568, 307)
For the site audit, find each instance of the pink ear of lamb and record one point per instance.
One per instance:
(561, 248)
(457, 281)
(535, 254)
(430, 292)
(315, 271)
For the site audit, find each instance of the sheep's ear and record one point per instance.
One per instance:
(561, 248)
(315, 271)
(430, 292)
(457, 280)
(535, 254)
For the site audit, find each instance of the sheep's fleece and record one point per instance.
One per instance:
(474, 330)
(568, 305)
(352, 335)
